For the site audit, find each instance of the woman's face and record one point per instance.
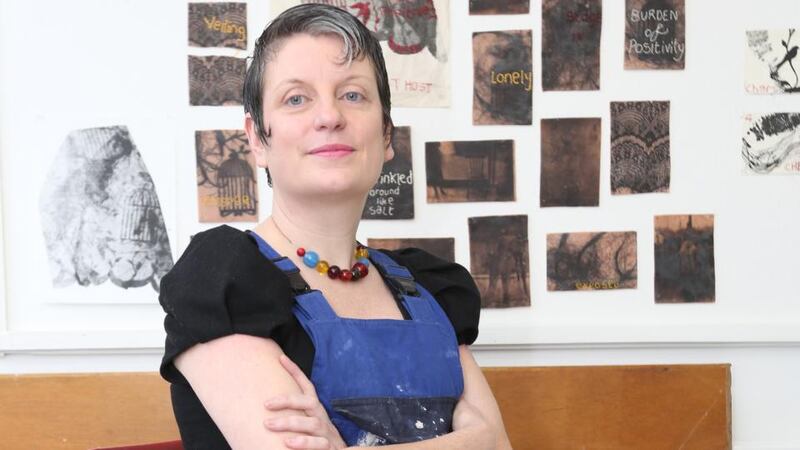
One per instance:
(326, 120)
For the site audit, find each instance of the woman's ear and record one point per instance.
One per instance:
(388, 145)
(257, 146)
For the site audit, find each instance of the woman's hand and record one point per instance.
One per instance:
(321, 434)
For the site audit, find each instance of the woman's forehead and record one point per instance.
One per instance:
(307, 58)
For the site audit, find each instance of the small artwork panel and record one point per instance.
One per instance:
(571, 44)
(570, 162)
(218, 25)
(655, 34)
(227, 190)
(444, 248)
(392, 197)
(591, 261)
(503, 78)
(415, 38)
(216, 80)
(478, 7)
(470, 171)
(684, 259)
(100, 214)
(640, 153)
(771, 62)
(498, 252)
(771, 143)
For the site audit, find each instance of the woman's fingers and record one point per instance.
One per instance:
(298, 424)
(300, 402)
(305, 384)
(308, 443)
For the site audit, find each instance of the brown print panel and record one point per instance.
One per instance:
(498, 251)
(570, 162)
(591, 261)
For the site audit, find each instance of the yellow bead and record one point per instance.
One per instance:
(322, 267)
(362, 253)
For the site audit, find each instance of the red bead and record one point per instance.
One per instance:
(334, 272)
(362, 268)
(301, 251)
(346, 275)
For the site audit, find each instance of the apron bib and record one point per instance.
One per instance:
(381, 381)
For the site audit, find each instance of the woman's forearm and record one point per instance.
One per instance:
(476, 437)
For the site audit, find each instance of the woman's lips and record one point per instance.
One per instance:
(332, 151)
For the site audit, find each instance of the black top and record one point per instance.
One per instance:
(223, 285)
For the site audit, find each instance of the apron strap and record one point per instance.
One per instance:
(416, 299)
(288, 267)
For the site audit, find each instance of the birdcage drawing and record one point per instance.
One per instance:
(236, 186)
(141, 216)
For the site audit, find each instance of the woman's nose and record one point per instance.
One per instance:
(328, 116)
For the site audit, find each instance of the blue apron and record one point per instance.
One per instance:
(381, 381)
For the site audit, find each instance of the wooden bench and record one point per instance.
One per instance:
(598, 407)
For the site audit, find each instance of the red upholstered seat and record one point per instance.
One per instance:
(168, 445)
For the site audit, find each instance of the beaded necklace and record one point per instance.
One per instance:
(311, 259)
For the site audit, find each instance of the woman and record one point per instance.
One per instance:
(247, 328)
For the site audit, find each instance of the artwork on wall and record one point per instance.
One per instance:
(499, 7)
(570, 162)
(216, 80)
(415, 35)
(392, 197)
(655, 34)
(218, 25)
(498, 253)
(591, 261)
(100, 213)
(684, 258)
(227, 190)
(470, 171)
(771, 62)
(444, 248)
(640, 153)
(571, 45)
(503, 78)
(771, 143)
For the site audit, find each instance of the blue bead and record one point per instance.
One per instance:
(364, 261)
(311, 259)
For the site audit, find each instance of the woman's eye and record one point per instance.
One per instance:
(353, 96)
(295, 100)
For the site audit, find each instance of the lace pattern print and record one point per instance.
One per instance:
(640, 147)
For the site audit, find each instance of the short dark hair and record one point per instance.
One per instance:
(314, 19)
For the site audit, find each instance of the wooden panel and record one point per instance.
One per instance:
(615, 407)
(66, 412)
(564, 408)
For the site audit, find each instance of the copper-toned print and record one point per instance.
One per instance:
(218, 25)
(655, 36)
(499, 6)
(570, 162)
(503, 78)
(470, 171)
(392, 197)
(591, 261)
(215, 80)
(640, 159)
(226, 179)
(442, 247)
(571, 45)
(684, 259)
(498, 252)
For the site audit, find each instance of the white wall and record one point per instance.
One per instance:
(65, 65)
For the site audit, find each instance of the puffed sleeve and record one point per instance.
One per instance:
(221, 285)
(452, 286)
